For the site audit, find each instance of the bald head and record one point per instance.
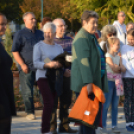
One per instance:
(60, 27)
(121, 17)
(58, 20)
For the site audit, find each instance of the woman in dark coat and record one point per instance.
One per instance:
(7, 105)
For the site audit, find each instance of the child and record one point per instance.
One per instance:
(127, 52)
(114, 68)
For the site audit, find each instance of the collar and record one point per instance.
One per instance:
(29, 30)
(59, 37)
(120, 24)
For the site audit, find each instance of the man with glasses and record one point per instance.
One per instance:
(22, 50)
(65, 98)
(121, 27)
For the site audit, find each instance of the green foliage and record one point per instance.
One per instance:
(11, 9)
(107, 9)
(8, 41)
(8, 45)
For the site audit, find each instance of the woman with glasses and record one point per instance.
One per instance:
(107, 31)
(43, 54)
(88, 64)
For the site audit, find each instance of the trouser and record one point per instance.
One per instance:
(65, 102)
(111, 98)
(48, 100)
(84, 129)
(27, 83)
(129, 99)
(5, 126)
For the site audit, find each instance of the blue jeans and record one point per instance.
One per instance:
(27, 82)
(84, 129)
(113, 99)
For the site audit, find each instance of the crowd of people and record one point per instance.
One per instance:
(102, 58)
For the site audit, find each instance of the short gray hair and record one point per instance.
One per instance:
(106, 30)
(87, 15)
(49, 25)
(25, 14)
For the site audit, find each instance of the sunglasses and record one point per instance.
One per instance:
(111, 34)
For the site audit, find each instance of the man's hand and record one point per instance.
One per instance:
(89, 88)
(67, 73)
(24, 68)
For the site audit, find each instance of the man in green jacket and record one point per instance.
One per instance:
(88, 65)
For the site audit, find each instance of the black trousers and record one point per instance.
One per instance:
(5, 126)
(65, 102)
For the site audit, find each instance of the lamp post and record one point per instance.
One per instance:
(41, 9)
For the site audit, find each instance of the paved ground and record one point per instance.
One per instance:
(22, 126)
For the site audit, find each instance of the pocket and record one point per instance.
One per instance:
(29, 42)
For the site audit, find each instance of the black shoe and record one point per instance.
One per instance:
(66, 130)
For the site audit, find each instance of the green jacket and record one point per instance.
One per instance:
(86, 64)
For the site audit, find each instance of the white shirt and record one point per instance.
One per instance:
(121, 32)
(42, 51)
(127, 53)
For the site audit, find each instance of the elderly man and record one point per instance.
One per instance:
(22, 50)
(121, 27)
(65, 98)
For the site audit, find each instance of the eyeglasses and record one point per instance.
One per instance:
(62, 26)
(111, 34)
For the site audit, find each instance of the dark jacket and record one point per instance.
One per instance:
(55, 76)
(7, 104)
(86, 63)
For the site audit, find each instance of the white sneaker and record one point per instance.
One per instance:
(115, 130)
(103, 131)
(30, 117)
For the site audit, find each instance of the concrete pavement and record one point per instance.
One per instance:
(22, 126)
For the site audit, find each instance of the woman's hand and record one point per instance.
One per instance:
(89, 88)
(54, 64)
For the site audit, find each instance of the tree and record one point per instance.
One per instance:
(11, 9)
(31, 6)
(107, 9)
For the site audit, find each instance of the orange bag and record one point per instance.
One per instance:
(86, 110)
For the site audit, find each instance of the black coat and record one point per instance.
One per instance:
(55, 76)
(7, 104)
